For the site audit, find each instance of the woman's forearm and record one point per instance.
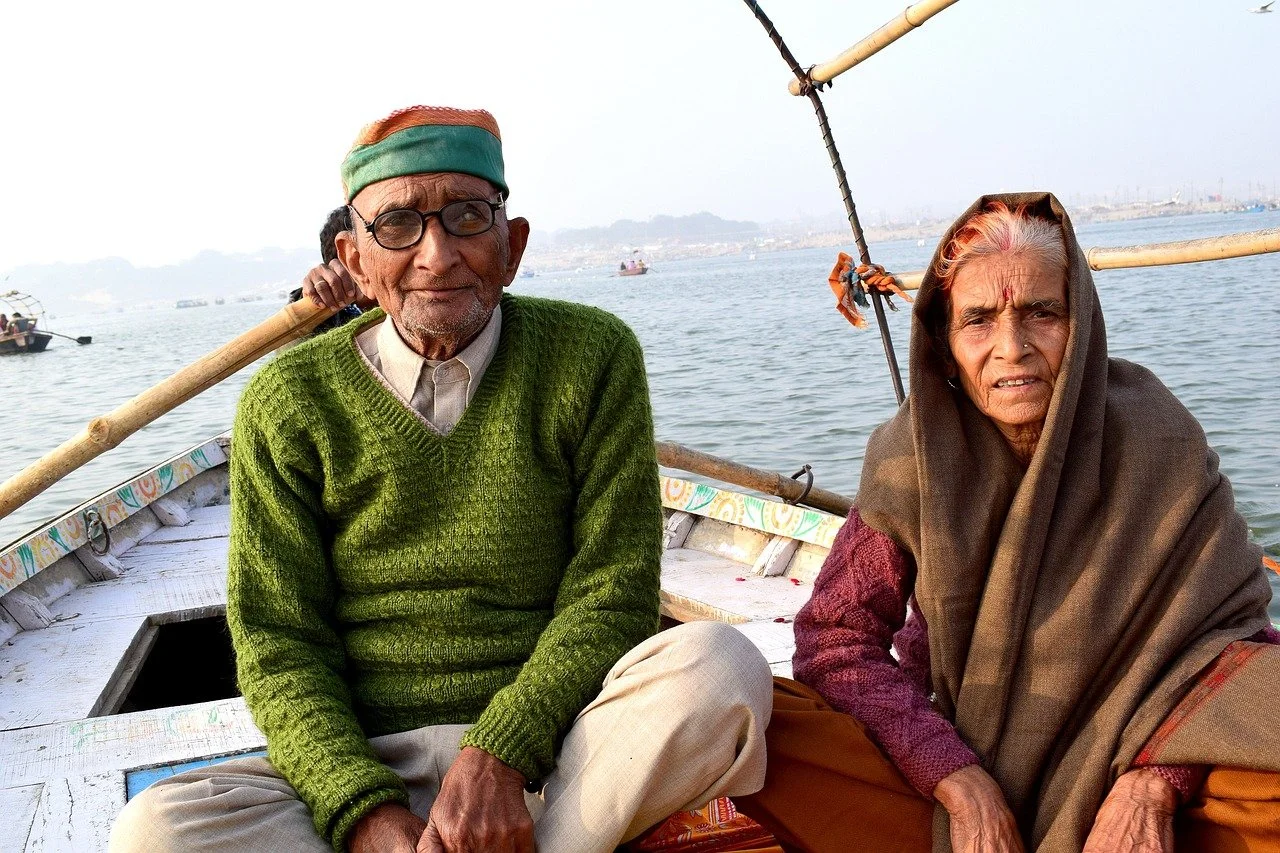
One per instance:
(843, 640)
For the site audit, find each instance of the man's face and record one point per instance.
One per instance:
(442, 290)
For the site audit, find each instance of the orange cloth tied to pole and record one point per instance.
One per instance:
(850, 295)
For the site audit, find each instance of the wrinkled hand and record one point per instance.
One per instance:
(1136, 816)
(980, 819)
(480, 809)
(330, 286)
(389, 828)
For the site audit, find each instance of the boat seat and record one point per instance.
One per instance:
(700, 585)
(697, 585)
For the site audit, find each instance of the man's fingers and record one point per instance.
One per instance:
(430, 841)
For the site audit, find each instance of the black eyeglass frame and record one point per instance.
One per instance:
(494, 207)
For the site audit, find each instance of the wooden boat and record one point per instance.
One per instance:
(637, 270)
(116, 668)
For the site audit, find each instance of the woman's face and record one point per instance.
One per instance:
(1008, 332)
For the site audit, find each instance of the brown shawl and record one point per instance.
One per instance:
(1072, 606)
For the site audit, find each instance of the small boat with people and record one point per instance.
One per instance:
(116, 669)
(20, 316)
(632, 268)
(634, 265)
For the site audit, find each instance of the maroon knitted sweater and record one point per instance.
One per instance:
(844, 634)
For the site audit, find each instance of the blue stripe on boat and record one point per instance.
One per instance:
(138, 780)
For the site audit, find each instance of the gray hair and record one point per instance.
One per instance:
(1001, 231)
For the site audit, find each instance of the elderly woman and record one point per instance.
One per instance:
(1088, 634)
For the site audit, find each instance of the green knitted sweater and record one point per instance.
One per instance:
(384, 577)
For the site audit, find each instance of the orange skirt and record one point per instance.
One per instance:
(828, 787)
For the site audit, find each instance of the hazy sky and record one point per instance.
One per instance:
(154, 130)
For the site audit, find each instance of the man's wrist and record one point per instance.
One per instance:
(503, 772)
(345, 821)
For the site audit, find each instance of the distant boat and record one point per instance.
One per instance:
(23, 313)
(192, 303)
(527, 273)
(634, 266)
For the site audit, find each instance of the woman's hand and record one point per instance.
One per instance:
(980, 819)
(1136, 816)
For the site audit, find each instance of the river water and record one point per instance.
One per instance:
(747, 359)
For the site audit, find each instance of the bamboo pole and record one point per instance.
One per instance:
(106, 431)
(1160, 254)
(913, 17)
(684, 458)
(1186, 251)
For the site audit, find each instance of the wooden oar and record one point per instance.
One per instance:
(105, 432)
(82, 340)
(1160, 254)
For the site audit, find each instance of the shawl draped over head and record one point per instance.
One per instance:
(1072, 606)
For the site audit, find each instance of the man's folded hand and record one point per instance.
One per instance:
(480, 809)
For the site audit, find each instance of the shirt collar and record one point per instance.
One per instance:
(403, 367)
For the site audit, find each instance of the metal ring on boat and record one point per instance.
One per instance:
(95, 529)
(807, 471)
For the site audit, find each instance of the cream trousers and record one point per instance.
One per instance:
(679, 721)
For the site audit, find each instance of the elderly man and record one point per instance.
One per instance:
(444, 559)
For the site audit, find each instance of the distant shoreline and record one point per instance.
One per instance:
(783, 240)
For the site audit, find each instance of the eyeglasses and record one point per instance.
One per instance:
(403, 227)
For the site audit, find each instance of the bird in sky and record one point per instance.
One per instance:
(1264, 8)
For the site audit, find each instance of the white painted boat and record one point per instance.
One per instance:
(116, 668)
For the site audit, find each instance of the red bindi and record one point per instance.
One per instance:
(1005, 292)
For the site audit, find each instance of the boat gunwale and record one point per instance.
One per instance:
(765, 515)
(49, 542)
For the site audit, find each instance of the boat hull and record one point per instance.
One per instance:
(636, 271)
(27, 342)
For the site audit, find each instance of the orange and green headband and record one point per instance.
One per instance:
(416, 140)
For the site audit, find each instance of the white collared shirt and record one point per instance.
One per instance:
(439, 391)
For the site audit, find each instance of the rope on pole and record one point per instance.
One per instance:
(809, 88)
